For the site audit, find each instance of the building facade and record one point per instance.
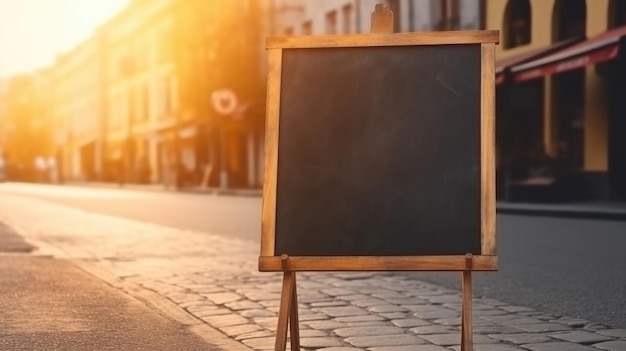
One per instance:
(560, 115)
(136, 101)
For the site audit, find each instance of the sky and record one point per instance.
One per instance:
(34, 32)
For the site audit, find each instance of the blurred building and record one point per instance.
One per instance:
(77, 111)
(561, 122)
(142, 99)
(25, 132)
(302, 17)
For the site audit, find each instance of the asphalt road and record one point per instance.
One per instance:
(566, 267)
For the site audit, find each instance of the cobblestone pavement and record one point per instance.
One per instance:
(216, 279)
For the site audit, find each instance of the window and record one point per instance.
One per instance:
(331, 22)
(347, 13)
(570, 20)
(617, 13)
(449, 15)
(307, 28)
(517, 23)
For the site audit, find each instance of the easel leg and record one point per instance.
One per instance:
(287, 309)
(294, 330)
(467, 341)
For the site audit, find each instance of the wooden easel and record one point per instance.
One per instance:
(288, 312)
(382, 23)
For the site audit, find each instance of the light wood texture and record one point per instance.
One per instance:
(487, 157)
(383, 39)
(294, 328)
(377, 263)
(271, 152)
(382, 19)
(284, 312)
(467, 339)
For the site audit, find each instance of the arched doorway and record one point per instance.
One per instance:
(568, 90)
(517, 23)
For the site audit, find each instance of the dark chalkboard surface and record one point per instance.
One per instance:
(379, 151)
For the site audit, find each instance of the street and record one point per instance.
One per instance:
(560, 267)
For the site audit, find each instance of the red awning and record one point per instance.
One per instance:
(506, 63)
(598, 49)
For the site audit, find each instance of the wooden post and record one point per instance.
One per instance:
(382, 19)
(288, 312)
(467, 340)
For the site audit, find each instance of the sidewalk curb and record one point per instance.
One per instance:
(600, 214)
(165, 307)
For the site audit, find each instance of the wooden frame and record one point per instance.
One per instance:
(382, 27)
(487, 260)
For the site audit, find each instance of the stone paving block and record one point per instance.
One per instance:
(201, 302)
(523, 338)
(451, 339)
(225, 320)
(337, 291)
(242, 305)
(616, 333)
(212, 312)
(363, 318)
(341, 311)
(541, 327)
(222, 298)
(581, 337)
(311, 333)
(409, 322)
(408, 301)
(264, 296)
(341, 349)
(455, 321)
(571, 322)
(389, 295)
(254, 335)
(436, 314)
(424, 347)
(512, 319)
(516, 309)
(319, 342)
(324, 325)
(366, 331)
(368, 324)
(558, 346)
(313, 317)
(491, 347)
(395, 315)
(386, 308)
(384, 340)
(330, 303)
(368, 302)
(262, 343)
(353, 297)
(616, 345)
(256, 313)
(205, 289)
(494, 329)
(434, 329)
(595, 327)
(240, 329)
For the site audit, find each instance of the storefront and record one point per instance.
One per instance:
(520, 123)
(588, 117)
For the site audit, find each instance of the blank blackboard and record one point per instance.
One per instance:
(380, 151)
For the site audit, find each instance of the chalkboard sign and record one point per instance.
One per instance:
(380, 152)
